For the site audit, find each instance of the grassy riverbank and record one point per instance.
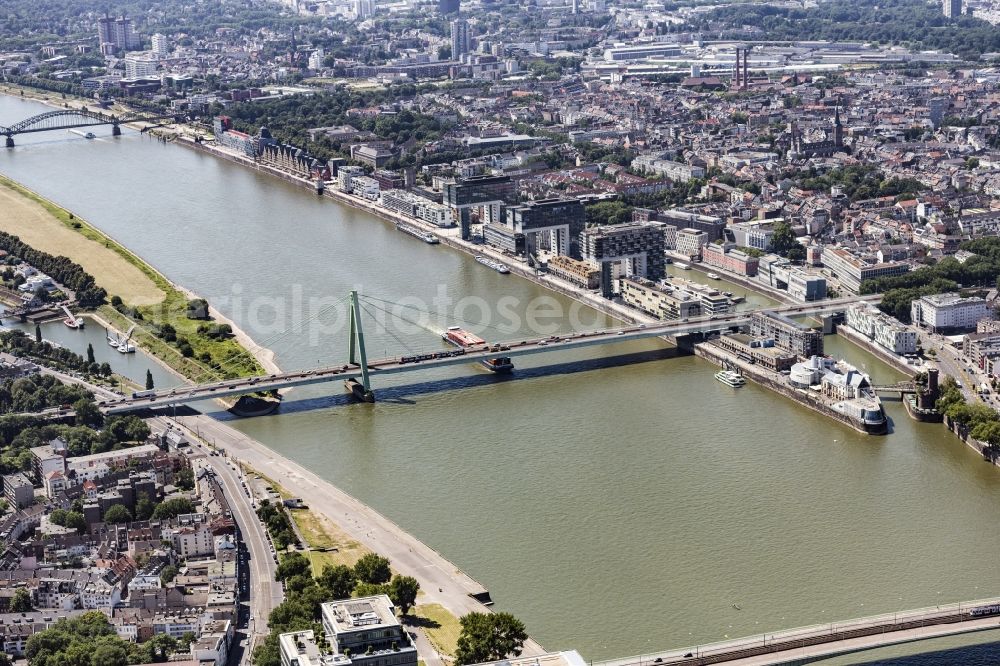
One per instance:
(158, 302)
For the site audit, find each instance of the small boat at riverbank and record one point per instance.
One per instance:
(713, 276)
(731, 378)
(425, 236)
(71, 320)
(495, 265)
(681, 265)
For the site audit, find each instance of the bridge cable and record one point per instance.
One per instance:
(445, 316)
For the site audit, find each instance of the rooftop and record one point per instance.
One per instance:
(348, 615)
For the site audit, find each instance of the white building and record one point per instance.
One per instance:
(690, 242)
(192, 536)
(948, 312)
(316, 60)
(161, 46)
(881, 329)
(139, 65)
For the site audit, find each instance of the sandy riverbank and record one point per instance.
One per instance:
(46, 226)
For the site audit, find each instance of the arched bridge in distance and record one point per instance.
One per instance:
(65, 119)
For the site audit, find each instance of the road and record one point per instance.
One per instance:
(264, 592)
(244, 385)
(440, 581)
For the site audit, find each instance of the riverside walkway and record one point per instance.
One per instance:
(402, 364)
(807, 644)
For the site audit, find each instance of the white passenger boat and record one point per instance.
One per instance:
(730, 378)
(495, 265)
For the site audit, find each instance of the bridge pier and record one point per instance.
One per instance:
(10, 141)
(116, 130)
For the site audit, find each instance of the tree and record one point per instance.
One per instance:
(149, 380)
(783, 240)
(292, 564)
(90, 353)
(372, 568)
(144, 507)
(117, 514)
(69, 519)
(403, 592)
(109, 654)
(87, 413)
(21, 601)
(489, 637)
(173, 508)
(5, 660)
(168, 573)
(38, 333)
(339, 581)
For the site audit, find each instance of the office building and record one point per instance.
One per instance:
(487, 194)
(880, 328)
(727, 257)
(625, 250)
(948, 312)
(851, 271)
(690, 242)
(580, 273)
(787, 333)
(952, 8)
(449, 6)
(549, 224)
(460, 43)
(367, 632)
(662, 303)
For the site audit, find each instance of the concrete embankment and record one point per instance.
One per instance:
(882, 354)
(440, 580)
(710, 352)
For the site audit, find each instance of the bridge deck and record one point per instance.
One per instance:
(396, 365)
(806, 644)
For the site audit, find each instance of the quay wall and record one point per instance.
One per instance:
(883, 354)
(710, 352)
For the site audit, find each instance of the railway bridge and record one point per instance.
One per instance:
(64, 119)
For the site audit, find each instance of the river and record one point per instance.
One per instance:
(619, 500)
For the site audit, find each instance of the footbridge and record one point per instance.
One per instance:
(358, 367)
(807, 644)
(64, 119)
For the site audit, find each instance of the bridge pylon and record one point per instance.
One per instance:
(116, 129)
(10, 141)
(358, 353)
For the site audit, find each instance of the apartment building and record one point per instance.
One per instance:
(948, 312)
(727, 257)
(690, 242)
(881, 329)
(787, 333)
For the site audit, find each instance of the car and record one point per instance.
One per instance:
(620, 333)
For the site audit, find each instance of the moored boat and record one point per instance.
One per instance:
(425, 236)
(495, 265)
(71, 320)
(730, 378)
(713, 276)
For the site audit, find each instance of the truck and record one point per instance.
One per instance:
(143, 394)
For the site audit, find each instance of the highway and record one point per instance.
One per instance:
(395, 365)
